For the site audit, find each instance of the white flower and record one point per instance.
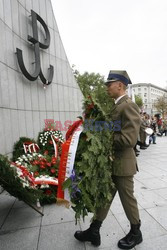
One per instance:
(44, 186)
(25, 184)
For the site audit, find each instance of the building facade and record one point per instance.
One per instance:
(149, 94)
(36, 80)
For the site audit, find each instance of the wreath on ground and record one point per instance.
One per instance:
(34, 167)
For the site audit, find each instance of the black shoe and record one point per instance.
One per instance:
(137, 151)
(154, 142)
(143, 147)
(133, 238)
(91, 234)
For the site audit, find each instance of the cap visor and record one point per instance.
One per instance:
(108, 81)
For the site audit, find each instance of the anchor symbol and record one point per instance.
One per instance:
(37, 45)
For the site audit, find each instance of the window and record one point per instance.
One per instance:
(145, 100)
(145, 94)
(139, 89)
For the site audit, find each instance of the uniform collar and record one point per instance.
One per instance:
(119, 98)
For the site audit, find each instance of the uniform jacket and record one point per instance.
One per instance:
(126, 114)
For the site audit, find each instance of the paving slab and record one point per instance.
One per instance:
(154, 183)
(59, 236)
(20, 218)
(157, 243)
(162, 192)
(24, 239)
(56, 214)
(149, 199)
(6, 204)
(160, 215)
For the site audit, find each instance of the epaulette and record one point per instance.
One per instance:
(128, 100)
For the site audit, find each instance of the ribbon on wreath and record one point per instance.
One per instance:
(30, 147)
(55, 146)
(45, 180)
(42, 180)
(69, 148)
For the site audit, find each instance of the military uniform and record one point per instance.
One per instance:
(124, 164)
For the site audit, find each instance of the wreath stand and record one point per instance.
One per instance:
(30, 205)
(34, 207)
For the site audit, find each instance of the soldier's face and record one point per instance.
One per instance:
(113, 89)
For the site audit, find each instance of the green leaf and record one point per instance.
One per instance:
(67, 183)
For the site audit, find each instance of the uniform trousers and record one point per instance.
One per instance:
(125, 187)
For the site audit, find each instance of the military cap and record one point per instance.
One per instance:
(118, 75)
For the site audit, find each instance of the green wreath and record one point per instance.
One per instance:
(90, 185)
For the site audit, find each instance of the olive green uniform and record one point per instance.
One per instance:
(124, 164)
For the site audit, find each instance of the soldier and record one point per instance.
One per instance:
(124, 165)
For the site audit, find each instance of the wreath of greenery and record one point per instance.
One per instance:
(91, 183)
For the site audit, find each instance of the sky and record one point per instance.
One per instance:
(103, 35)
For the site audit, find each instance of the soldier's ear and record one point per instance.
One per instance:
(120, 85)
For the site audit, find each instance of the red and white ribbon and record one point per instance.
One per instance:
(69, 149)
(43, 180)
(30, 147)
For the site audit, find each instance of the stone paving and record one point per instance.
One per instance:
(21, 228)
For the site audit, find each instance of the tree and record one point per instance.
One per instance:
(138, 101)
(88, 82)
(161, 105)
(92, 85)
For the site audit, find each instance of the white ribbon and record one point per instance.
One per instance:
(55, 146)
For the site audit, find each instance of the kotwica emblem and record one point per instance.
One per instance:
(37, 45)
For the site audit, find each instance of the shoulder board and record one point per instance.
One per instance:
(128, 100)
